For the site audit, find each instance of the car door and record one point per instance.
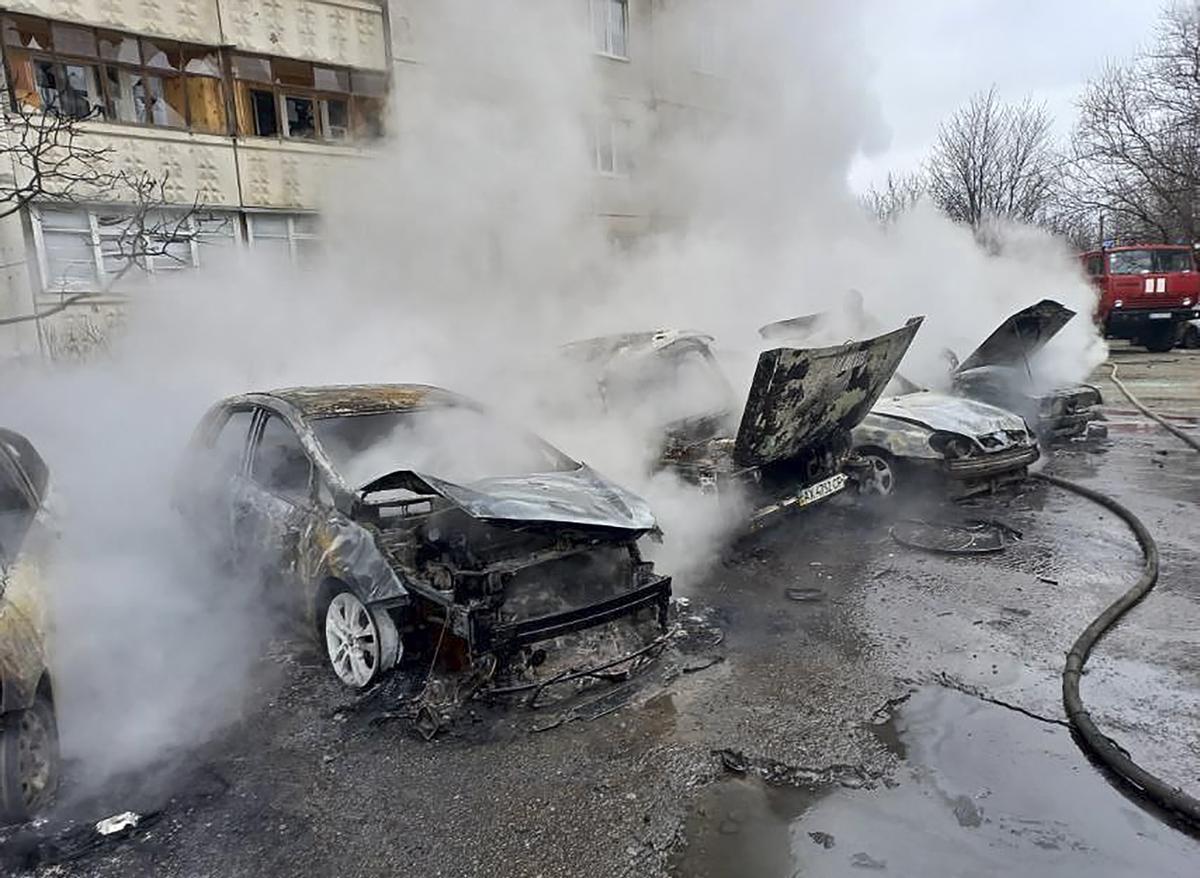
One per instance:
(21, 649)
(208, 484)
(274, 507)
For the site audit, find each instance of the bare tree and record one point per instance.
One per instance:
(993, 159)
(1135, 152)
(900, 192)
(52, 162)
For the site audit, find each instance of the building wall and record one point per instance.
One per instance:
(660, 81)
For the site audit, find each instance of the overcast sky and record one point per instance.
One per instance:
(931, 55)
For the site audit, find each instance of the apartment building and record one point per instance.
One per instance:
(249, 106)
(241, 105)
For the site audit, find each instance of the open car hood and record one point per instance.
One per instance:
(800, 397)
(580, 497)
(1019, 337)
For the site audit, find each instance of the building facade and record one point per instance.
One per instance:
(248, 107)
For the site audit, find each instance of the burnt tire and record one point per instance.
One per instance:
(1191, 337)
(29, 761)
(361, 642)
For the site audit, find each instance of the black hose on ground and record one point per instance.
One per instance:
(1104, 748)
(1161, 421)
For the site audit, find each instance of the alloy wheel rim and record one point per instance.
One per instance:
(881, 481)
(351, 640)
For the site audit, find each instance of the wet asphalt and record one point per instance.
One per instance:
(870, 709)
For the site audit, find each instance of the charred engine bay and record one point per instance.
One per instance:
(829, 735)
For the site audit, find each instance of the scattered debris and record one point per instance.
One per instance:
(118, 823)
(824, 839)
(971, 537)
(862, 860)
(1047, 580)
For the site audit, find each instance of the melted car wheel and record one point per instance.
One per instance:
(879, 479)
(28, 761)
(361, 643)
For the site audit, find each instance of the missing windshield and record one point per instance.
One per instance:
(456, 443)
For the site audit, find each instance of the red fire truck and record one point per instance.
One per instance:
(1148, 292)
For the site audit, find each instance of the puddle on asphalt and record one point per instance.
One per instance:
(983, 791)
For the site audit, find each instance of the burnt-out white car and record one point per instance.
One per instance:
(405, 518)
(925, 436)
(913, 435)
(29, 759)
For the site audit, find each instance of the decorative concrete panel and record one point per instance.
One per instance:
(194, 167)
(345, 32)
(289, 176)
(192, 20)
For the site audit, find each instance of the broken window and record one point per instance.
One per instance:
(279, 463)
(229, 444)
(610, 25)
(16, 511)
(296, 99)
(299, 117)
(85, 72)
(457, 443)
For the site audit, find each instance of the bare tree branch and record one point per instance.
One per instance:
(899, 194)
(993, 159)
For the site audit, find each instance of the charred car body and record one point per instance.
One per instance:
(330, 494)
(970, 445)
(788, 447)
(913, 433)
(29, 761)
(999, 372)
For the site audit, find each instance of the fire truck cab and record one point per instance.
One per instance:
(1147, 291)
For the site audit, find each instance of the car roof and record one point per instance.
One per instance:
(362, 399)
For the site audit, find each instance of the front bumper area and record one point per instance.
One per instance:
(990, 465)
(1132, 323)
(509, 637)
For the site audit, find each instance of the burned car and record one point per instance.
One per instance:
(787, 446)
(406, 517)
(970, 445)
(912, 434)
(999, 372)
(29, 759)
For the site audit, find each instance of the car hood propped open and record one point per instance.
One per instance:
(578, 497)
(1021, 336)
(800, 397)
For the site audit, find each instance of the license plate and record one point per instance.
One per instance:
(806, 497)
(1160, 315)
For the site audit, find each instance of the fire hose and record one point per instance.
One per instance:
(1163, 794)
(1161, 421)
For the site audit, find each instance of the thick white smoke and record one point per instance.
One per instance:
(463, 254)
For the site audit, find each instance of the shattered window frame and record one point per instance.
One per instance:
(112, 61)
(347, 105)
